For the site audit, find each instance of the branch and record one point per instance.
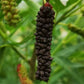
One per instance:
(22, 56)
(32, 66)
(76, 30)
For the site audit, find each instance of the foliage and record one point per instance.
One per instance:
(17, 43)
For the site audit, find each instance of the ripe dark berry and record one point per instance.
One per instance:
(43, 41)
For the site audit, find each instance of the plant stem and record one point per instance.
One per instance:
(74, 11)
(2, 27)
(65, 14)
(2, 35)
(76, 30)
(32, 66)
(22, 56)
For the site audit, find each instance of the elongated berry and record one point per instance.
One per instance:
(43, 35)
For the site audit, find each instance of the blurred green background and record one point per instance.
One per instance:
(67, 47)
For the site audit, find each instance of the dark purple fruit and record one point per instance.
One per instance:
(43, 35)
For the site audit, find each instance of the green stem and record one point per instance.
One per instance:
(67, 12)
(12, 33)
(22, 56)
(2, 27)
(76, 30)
(5, 45)
(2, 35)
(74, 11)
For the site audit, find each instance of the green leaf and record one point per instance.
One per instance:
(18, 1)
(54, 78)
(67, 65)
(57, 5)
(70, 2)
(69, 51)
(80, 23)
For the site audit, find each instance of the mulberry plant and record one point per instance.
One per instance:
(43, 34)
(10, 12)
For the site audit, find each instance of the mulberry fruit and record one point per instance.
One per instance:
(10, 12)
(43, 41)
